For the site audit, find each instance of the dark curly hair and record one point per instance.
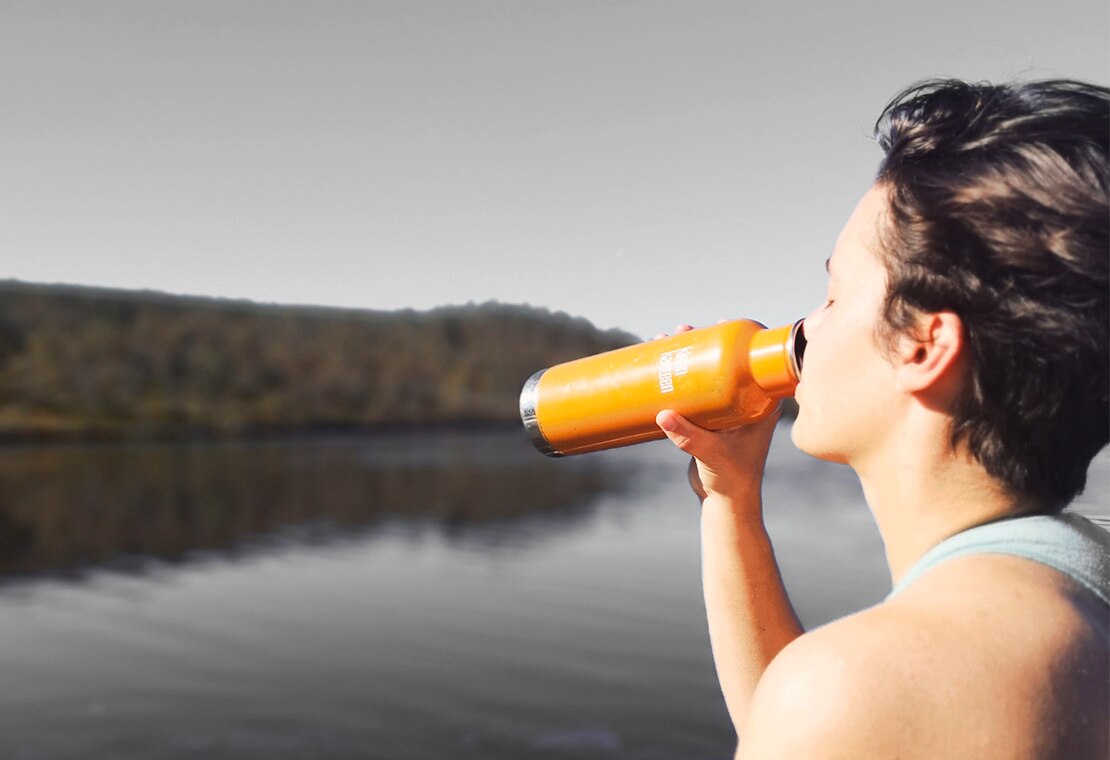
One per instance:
(999, 213)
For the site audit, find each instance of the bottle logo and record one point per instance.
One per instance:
(672, 364)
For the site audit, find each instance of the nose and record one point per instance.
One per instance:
(813, 320)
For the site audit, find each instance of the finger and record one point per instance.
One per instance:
(684, 434)
(693, 477)
(683, 328)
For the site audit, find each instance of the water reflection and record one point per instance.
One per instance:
(423, 597)
(66, 509)
(397, 597)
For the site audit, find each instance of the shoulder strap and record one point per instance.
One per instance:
(1065, 542)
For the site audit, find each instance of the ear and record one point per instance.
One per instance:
(929, 359)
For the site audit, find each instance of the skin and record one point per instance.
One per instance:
(987, 656)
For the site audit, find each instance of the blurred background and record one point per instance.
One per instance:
(633, 162)
(273, 275)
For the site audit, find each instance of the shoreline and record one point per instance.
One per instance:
(258, 434)
(185, 435)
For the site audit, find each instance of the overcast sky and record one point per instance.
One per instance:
(637, 163)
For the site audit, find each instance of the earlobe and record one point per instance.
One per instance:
(929, 357)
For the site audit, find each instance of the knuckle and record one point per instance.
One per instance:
(683, 442)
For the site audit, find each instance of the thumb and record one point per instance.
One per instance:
(682, 433)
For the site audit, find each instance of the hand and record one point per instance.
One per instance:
(680, 328)
(729, 462)
(726, 463)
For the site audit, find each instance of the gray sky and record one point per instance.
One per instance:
(636, 163)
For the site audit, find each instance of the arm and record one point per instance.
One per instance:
(750, 617)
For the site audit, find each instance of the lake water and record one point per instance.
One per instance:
(432, 595)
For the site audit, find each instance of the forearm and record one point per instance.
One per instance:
(750, 616)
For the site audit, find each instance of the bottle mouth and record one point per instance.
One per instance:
(775, 358)
(797, 343)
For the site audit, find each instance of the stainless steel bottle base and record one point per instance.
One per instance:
(528, 415)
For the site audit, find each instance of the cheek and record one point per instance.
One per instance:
(819, 359)
(839, 384)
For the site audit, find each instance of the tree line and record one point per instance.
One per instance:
(78, 362)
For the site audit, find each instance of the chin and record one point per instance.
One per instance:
(806, 441)
(795, 431)
(799, 432)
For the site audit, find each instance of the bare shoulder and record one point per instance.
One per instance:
(838, 691)
(984, 657)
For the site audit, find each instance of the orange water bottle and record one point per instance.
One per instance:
(718, 377)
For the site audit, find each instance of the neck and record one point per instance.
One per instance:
(922, 494)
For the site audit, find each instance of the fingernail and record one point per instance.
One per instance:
(667, 421)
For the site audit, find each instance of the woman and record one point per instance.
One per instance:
(959, 366)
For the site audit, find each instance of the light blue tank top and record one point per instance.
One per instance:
(1066, 542)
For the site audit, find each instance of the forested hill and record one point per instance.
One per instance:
(80, 362)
